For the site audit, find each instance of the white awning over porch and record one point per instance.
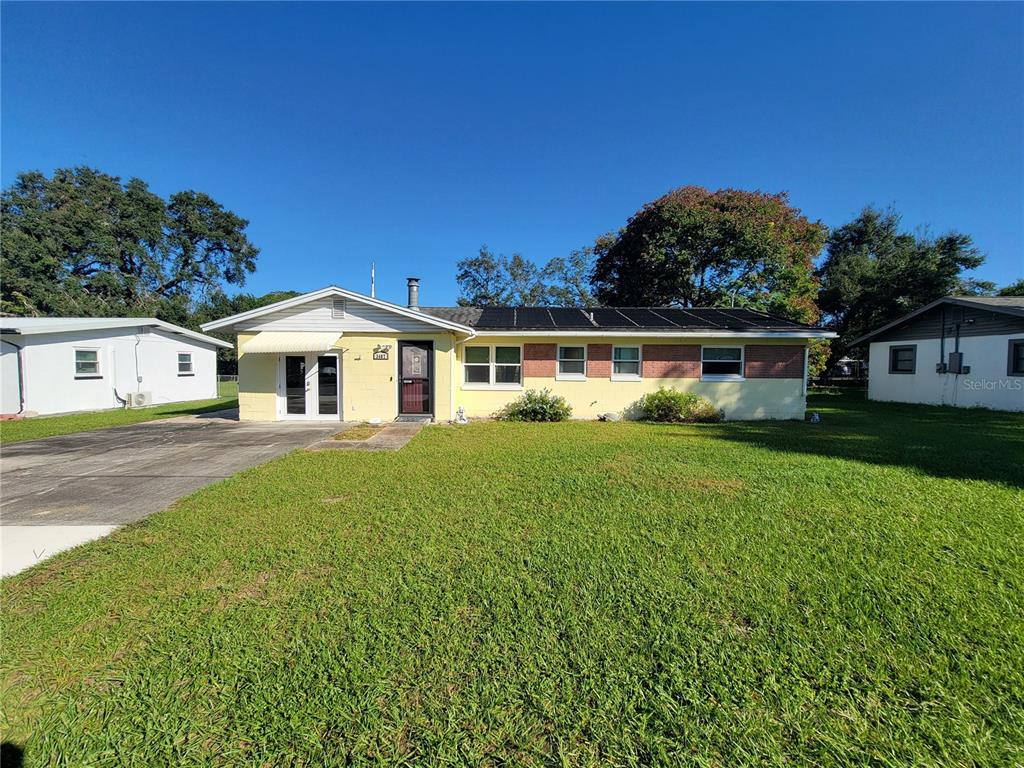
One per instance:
(278, 342)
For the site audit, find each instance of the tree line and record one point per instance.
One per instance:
(83, 243)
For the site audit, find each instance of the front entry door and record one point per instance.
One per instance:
(309, 387)
(415, 376)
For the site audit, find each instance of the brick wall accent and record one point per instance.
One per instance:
(773, 361)
(671, 361)
(599, 361)
(539, 360)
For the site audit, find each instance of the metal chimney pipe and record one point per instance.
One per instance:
(414, 292)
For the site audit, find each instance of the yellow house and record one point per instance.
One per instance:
(335, 354)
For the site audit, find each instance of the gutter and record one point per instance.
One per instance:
(707, 334)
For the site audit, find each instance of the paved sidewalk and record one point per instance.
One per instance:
(22, 546)
(393, 437)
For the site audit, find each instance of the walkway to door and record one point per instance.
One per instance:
(392, 438)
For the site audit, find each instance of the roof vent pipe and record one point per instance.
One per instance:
(414, 292)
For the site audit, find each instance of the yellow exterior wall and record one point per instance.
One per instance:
(257, 384)
(369, 388)
(747, 399)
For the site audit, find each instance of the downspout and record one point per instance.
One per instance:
(451, 380)
(807, 353)
(21, 377)
(942, 342)
(455, 341)
(113, 357)
(138, 379)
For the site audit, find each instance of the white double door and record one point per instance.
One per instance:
(309, 387)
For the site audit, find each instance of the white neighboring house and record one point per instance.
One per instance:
(964, 351)
(64, 364)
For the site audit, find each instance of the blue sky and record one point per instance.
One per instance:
(411, 134)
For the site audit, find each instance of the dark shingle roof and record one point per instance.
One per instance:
(1011, 304)
(1007, 305)
(634, 319)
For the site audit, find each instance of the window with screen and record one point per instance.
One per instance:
(87, 363)
(185, 364)
(508, 365)
(477, 365)
(903, 358)
(626, 363)
(572, 362)
(492, 366)
(721, 363)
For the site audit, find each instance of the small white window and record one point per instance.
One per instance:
(185, 364)
(721, 363)
(338, 308)
(87, 364)
(499, 367)
(572, 363)
(625, 363)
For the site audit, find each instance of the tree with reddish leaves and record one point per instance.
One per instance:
(693, 247)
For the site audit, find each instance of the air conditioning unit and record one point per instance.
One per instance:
(140, 399)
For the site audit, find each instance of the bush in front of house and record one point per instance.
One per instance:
(673, 405)
(536, 405)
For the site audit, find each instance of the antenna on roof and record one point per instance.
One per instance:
(373, 280)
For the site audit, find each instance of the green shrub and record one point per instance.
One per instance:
(673, 405)
(536, 405)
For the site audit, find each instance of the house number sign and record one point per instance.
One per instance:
(381, 352)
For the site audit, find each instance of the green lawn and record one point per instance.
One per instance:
(847, 593)
(48, 426)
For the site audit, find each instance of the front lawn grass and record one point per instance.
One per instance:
(49, 426)
(846, 593)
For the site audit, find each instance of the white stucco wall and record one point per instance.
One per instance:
(49, 369)
(987, 385)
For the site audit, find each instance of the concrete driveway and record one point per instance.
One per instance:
(95, 481)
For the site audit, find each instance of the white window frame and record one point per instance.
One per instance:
(639, 363)
(99, 363)
(491, 364)
(191, 363)
(723, 376)
(559, 376)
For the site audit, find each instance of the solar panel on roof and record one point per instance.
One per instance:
(533, 317)
(678, 317)
(727, 319)
(697, 317)
(497, 317)
(570, 317)
(609, 317)
(647, 318)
